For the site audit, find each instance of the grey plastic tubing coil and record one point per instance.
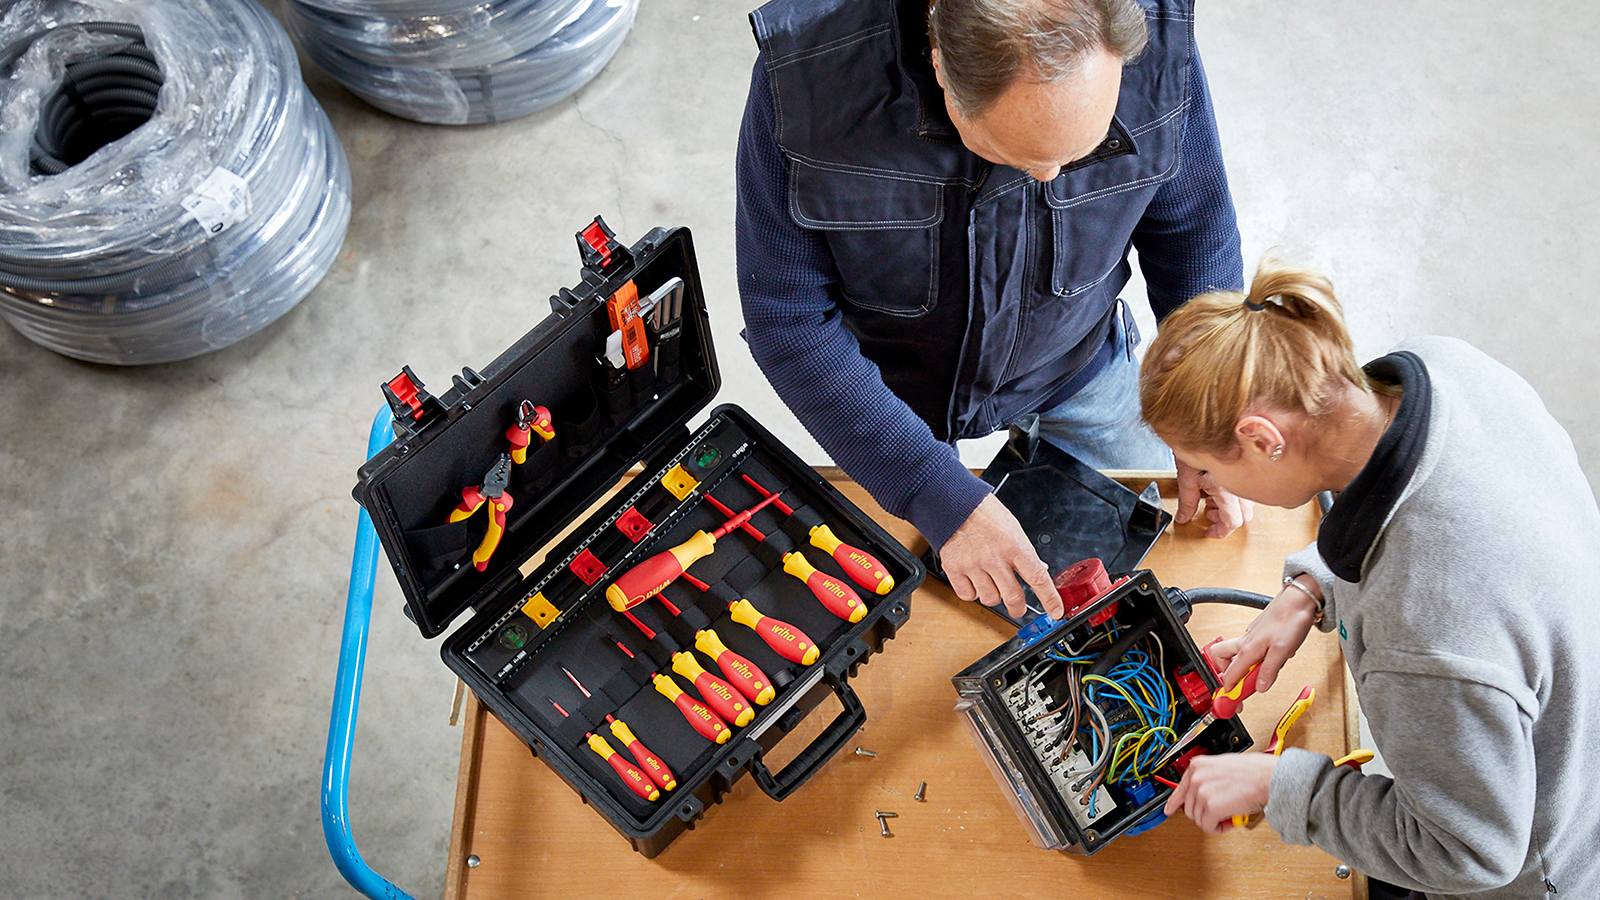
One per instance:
(168, 186)
(450, 62)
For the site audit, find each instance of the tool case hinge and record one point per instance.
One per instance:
(600, 249)
(413, 406)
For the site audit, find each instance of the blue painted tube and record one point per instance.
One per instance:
(347, 700)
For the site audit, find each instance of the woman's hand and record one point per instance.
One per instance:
(1270, 640)
(1214, 789)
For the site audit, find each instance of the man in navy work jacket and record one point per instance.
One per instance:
(936, 204)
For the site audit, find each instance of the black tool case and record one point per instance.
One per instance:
(542, 631)
(1015, 698)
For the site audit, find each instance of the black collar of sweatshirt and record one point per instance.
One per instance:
(1352, 525)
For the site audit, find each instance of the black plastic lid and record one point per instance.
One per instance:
(605, 420)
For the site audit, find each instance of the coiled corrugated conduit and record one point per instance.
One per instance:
(167, 184)
(451, 62)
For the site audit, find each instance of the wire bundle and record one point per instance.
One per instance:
(452, 62)
(1120, 748)
(167, 184)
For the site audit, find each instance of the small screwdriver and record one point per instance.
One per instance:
(648, 578)
(630, 774)
(862, 567)
(789, 641)
(700, 716)
(1224, 703)
(833, 594)
(653, 766)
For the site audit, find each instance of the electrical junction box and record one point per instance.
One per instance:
(1071, 714)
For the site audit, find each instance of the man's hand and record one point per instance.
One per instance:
(987, 553)
(1214, 789)
(1224, 511)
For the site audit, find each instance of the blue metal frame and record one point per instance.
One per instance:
(347, 699)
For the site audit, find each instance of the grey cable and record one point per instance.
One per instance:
(454, 62)
(110, 250)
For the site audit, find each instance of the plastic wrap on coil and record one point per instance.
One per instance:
(196, 229)
(452, 63)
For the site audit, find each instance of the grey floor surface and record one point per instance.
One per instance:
(178, 537)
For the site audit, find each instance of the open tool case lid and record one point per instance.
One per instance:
(411, 487)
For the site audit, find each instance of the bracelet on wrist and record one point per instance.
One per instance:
(1290, 582)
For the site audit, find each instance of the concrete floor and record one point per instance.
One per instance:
(180, 537)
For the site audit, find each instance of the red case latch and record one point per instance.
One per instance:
(408, 400)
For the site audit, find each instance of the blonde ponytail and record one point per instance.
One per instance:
(1283, 346)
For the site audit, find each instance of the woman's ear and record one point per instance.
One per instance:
(1259, 434)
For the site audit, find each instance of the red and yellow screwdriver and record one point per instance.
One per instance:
(653, 766)
(700, 716)
(647, 579)
(832, 593)
(630, 774)
(718, 694)
(744, 674)
(862, 567)
(1224, 703)
(788, 641)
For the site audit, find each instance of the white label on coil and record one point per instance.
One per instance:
(219, 201)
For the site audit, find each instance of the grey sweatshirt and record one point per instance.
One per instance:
(1460, 570)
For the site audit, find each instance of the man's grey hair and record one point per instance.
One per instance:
(986, 45)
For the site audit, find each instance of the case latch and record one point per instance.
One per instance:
(600, 249)
(413, 407)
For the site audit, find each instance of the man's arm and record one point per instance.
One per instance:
(798, 338)
(1188, 240)
(1188, 243)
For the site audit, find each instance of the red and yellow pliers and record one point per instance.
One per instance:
(531, 420)
(1285, 722)
(493, 492)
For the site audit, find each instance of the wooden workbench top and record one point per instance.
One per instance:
(534, 837)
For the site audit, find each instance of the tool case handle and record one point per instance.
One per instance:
(821, 749)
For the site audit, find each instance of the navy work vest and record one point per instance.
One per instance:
(978, 291)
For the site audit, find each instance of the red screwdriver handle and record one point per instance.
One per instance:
(651, 763)
(862, 567)
(699, 716)
(744, 674)
(635, 779)
(720, 696)
(832, 593)
(1225, 703)
(788, 641)
(648, 578)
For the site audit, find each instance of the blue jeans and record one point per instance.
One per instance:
(1100, 424)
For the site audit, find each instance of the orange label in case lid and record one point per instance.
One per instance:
(622, 310)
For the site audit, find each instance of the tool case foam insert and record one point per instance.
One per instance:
(542, 631)
(1016, 699)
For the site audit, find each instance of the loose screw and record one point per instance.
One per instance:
(921, 796)
(862, 752)
(883, 821)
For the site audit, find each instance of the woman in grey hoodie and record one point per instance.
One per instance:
(1458, 566)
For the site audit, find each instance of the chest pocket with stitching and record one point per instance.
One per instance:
(1088, 203)
(883, 232)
